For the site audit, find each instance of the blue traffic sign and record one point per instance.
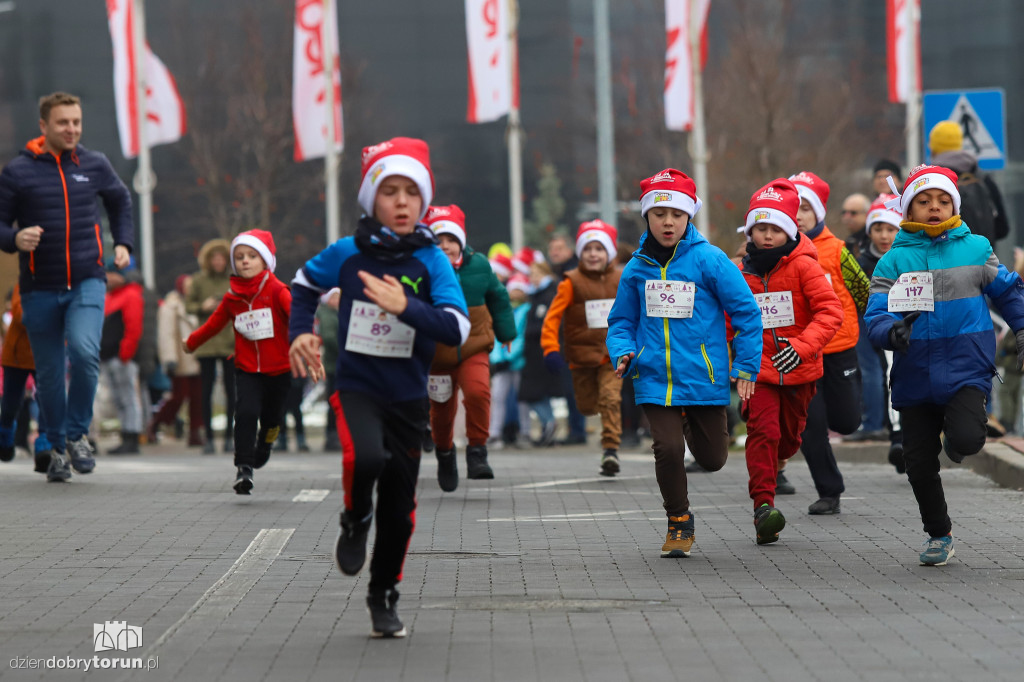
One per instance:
(981, 115)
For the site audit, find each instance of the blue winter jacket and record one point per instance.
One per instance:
(60, 196)
(436, 310)
(513, 355)
(955, 345)
(685, 361)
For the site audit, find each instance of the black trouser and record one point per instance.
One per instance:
(261, 399)
(293, 406)
(380, 445)
(963, 419)
(331, 431)
(835, 406)
(208, 371)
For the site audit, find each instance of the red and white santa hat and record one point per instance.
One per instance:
(405, 156)
(878, 213)
(526, 257)
(502, 265)
(813, 190)
(262, 241)
(597, 231)
(448, 220)
(670, 188)
(922, 178)
(776, 204)
(520, 282)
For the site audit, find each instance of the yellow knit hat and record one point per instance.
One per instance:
(946, 136)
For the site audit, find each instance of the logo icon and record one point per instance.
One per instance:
(116, 635)
(762, 215)
(770, 193)
(436, 211)
(803, 177)
(375, 173)
(663, 176)
(662, 196)
(371, 152)
(414, 284)
(920, 183)
(78, 177)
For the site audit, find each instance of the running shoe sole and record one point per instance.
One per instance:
(769, 527)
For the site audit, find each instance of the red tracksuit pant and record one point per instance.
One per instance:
(776, 416)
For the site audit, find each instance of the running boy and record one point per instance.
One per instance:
(466, 367)
(399, 297)
(583, 299)
(667, 329)
(259, 305)
(836, 405)
(928, 304)
(800, 313)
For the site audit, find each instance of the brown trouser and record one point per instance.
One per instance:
(473, 378)
(597, 389)
(704, 428)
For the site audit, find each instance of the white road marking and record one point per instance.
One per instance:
(570, 481)
(308, 495)
(594, 516)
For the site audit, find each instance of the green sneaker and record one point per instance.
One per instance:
(768, 521)
(937, 551)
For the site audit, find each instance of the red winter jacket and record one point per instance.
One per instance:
(123, 313)
(265, 356)
(817, 312)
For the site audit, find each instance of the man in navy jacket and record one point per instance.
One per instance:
(50, 191)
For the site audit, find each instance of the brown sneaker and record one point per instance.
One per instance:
(679, 538)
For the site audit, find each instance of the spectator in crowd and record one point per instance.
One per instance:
(119, 346)
(293, 407)
(18, 369)
(561, 256)
(208, 288)
(62, 276)
(538, 385)
(879, 178)
(854, 213)
(507, 363)
(173, 324)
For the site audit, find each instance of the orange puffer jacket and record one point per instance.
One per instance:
(830, 251)
(817, 313)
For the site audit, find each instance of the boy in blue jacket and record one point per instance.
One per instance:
(667, 330)
(399, 297)
(927, 303)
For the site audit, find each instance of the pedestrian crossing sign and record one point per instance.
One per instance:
(981, 115)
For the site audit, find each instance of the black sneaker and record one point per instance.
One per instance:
(59, 470)
(768, 521)
(381, 605)
(350, 549)
(609, 462)
(243, 481)
(783, 486)
(477, 467)
(447, 469)
(896, 458)
(81, 454)
(42, 458)
(262, 454)
(428, 442)
(825, 505)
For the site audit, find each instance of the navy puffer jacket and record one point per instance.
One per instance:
(61, 198)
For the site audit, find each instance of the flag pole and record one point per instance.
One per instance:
(331, 157)
(913, 131)
(605, 122)
(698, 139)
(515, 131)
(144, 181)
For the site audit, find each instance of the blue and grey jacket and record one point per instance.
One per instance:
(436, 310)
(953, 346)
(685, 361)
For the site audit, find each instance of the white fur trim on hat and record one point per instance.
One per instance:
(254, 242)
(450, 227)
(772, 216)
(883, 215)
(924, 182)
(670, 199)
(812, 198)
(395, 164)
(595, 236)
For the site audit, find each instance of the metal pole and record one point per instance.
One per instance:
(698, 141)
(331, 158)
(913, 132)
(144, 181)
(605, 122)
(515, 147)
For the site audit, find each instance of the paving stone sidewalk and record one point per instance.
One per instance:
(549, 572)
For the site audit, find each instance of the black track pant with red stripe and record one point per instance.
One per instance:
(380, 445)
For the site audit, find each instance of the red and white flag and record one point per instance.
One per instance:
(165, 113)
(309, 80)
(678, 75)
(903, 45)
(491, 95)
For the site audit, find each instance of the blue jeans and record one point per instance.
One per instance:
(872, 380)
(64, 328)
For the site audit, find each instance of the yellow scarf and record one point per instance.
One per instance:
(932, 231)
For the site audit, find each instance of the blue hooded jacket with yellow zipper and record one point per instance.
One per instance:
(685, 361)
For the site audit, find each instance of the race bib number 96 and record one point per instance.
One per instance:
(669, 298)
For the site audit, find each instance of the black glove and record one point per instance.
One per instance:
(787, 359)
(554, 362)
(899, 334)
(1020, 349)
